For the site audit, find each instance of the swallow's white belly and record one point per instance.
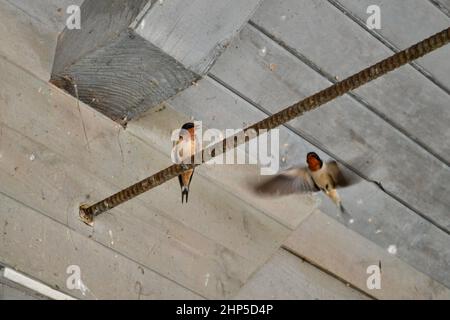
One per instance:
(322, 179)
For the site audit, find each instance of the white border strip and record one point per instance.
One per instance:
(34, 285)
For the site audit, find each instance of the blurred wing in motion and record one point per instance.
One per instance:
(296, 180)
(340, 179)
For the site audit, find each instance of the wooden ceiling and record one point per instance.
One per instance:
(227, 242)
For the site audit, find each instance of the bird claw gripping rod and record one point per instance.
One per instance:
(87, 213)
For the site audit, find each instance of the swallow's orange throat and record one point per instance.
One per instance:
(314, 162)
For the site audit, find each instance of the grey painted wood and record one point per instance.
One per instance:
(116, 71)
(415, 106)
(43, 248)
(364, 201)
(325, 242)
(218, 234)
(143, 234)
(131, 225)
(30, 43)
(286, 277)
(138, 161)
(134, 57)
(445, 2)
(97, 29)
(51, 13)
(399, 19)
(127, 77)
(8, 292)
(195, 33)
(443, 5)
(344, 127)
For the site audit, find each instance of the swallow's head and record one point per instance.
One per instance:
(314, 161)
(187, 126)
(190, 127)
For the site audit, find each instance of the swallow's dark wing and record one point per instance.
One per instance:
(180, 180)
(190, 178)
(340, 179)
(295, 180)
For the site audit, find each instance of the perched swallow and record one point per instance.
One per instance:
(317, 176)
(186, 177)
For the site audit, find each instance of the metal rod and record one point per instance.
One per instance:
(87, 213)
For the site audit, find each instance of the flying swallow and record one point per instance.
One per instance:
(186, 177)
(317, 176)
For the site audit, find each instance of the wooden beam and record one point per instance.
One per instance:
(48, 13)
(48, 163)
(423, 117)
(398, 19)
(38, 246)
(326, 243)
(287, 277)
(143, 52)
(31, 44)
(11, 292)
(197, 32)
(143, 233)
(443, 5)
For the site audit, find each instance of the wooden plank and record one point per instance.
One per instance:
(114, 221)
(142, 233)
(216, 228)
(11, 293)
(197, 102)
(443, 5)
(51, 13)
(30, 44)
(347, 49)
(346, 130)
(286, 277)
(197, 31)
(240, 228)
(43, 248)
(399, 18)
(129, 159)
(323, 241)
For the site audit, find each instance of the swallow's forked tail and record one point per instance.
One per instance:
(342, 208)
(339, 204)
(184, 192)
(334, 196)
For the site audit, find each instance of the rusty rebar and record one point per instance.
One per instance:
(87, 213)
